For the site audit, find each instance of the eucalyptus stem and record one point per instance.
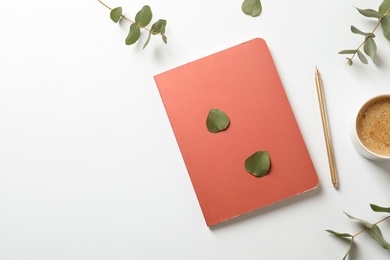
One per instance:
(124, 16)
(365, 229)
(105, 5)
(374, 229)
(376, 27)
(141, 20)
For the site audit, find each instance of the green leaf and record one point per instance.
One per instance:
(377, 208)
(116, 14)
(376, 234)
(385, 5)
(362, 58)
(258, 164)
(349, 249)
(337, 234)
(343, 236)
(349, 61)
(365, 223)
(159, 27)
(357, 31)
(347, 52)
(369, 13)
(217, 121)
(134, 34)
(251, 7)
(147, 40)
(144, 16)
(370, 48)
(385, 23)
(164, 38)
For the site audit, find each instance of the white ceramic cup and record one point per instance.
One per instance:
(370, 129)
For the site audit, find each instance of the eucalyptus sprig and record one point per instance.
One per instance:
(372, 228)
(369, 45)
(142, 19)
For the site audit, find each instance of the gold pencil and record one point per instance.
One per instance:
(325, 124)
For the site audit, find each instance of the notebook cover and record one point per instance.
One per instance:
(243, 82)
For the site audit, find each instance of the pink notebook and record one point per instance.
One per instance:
(243, 82)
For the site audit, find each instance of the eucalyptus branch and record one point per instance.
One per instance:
(369, 46)
(373, 229)
(142, 19)
(373, 31)
(366, 228)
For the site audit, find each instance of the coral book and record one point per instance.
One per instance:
(243, 82)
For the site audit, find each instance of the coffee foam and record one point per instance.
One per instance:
(373, 125)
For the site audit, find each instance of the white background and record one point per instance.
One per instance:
(89, 166)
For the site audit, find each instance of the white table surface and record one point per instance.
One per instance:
(89, 166)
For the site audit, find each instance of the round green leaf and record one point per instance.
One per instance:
(116, 14)
(258, 164)
(159, 27)
(251, 7)
(144, 16)
(133, 35)
(217, 121)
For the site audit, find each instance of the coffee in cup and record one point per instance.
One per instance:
(371, 133)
